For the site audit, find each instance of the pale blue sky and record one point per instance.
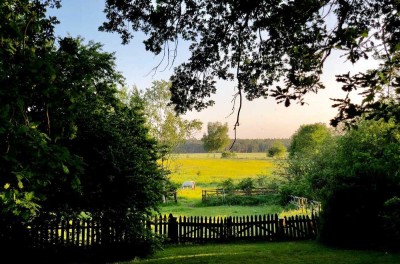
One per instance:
(259, 119)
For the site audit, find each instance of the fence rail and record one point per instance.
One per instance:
(212, 193)
(262, 227)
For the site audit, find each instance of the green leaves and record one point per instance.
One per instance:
(67, 142)
(309, 140)
(217, 137)
(168, 128)
(65, 169)
(267, 42)
(277, 150)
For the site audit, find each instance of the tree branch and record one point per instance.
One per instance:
(239, 93)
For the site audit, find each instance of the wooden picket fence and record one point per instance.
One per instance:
(104, 233)
(216, 229)
(77, 234)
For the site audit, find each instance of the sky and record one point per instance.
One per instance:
(259, 118)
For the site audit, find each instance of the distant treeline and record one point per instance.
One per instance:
(241, 145)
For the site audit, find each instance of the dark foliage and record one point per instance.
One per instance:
(352, 212)
(67, 142)
(263, 42)
(356, 179)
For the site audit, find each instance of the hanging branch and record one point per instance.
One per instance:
(239, 93)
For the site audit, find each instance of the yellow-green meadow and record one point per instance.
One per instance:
(210, 169)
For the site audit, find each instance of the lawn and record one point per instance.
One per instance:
(189, 209)
(301, 252)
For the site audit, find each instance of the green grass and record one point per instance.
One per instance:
(189, 209)
(301, 252)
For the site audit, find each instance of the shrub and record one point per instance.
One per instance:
(264, 182)
(270, 199)
(228, 155)
(246, 185)
(228, 185)
(391, 222)
(277, 150)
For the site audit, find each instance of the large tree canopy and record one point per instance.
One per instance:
(265, 42)
(67, 142)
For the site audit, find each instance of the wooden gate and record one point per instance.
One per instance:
(198, 229)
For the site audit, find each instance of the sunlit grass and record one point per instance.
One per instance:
(294, 212)
(219, 211)
(207, 170)
(190, 194)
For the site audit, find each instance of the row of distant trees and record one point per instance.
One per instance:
(241, 145)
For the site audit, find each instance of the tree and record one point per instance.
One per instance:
(309, 139)
(307, 143)
(33, 156)
(266, 42)
(67, 142)
(277, 150)
(217, 138)
(165, 125)
(357, 180)
(240, 146)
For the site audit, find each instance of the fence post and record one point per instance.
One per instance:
(172, 229)
(314, 224)
(203, 195)
(281, 229)
(228, 228)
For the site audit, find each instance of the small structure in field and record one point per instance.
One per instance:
(189, 185)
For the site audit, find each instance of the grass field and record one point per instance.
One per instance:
(301, 252)
(187, 208)
(207, 170)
